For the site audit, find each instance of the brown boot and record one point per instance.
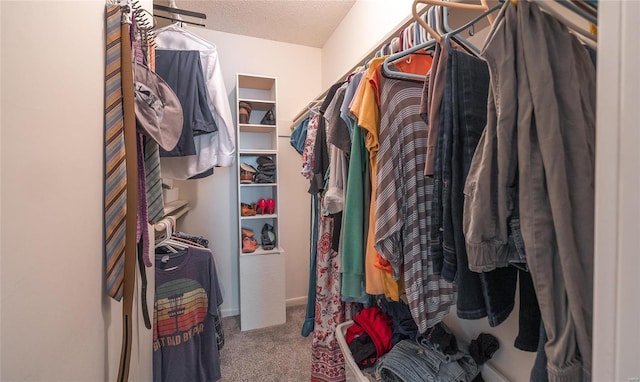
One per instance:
(244, 111)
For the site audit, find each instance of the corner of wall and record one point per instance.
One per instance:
(367, 24)
(1, 172)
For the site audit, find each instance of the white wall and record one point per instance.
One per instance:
(214, 199)
(57, 323)
(365, 26)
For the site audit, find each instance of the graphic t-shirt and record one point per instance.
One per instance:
(187, 297)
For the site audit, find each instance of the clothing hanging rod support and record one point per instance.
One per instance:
(179, 11)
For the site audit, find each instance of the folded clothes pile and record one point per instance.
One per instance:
(435, 356)
(266, 172)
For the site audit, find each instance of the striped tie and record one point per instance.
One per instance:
(154, 182)
(115, 197)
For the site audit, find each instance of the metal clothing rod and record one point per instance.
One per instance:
(179, 21)
(179, 11)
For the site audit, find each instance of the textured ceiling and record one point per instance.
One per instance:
(304, 22)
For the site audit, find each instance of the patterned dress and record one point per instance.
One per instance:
(308, 159)
(327, 361)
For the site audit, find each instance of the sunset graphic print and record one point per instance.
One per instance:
(181, 308)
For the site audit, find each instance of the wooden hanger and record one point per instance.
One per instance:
(447, 4)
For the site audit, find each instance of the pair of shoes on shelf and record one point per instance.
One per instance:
(249, 243)
(247, 173)
(268, 237)
(247, 209)
(266, 206)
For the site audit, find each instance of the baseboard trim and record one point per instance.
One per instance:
(296, 301)
(489, 373)
(230, 312)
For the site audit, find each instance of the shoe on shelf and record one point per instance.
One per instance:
(247, 232)
(263, 160)
(246, 177)
(247, 173)
(245, 111)
(249, 244)
(268, 118)
(271, 206)
(268, 237)
(261, 207)
(247, 209)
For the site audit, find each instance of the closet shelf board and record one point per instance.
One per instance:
(255, 82)
(266, 216)
(261, 251)
(170, 208)
(258, 184)
(258, 152)
(256, 128)
(259, 104)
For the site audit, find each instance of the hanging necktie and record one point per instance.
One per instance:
(115, 197)
(154, 182)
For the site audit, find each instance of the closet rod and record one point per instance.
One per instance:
(179, 11)
(387, 39)
(179, 21)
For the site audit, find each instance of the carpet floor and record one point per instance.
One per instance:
(278, 353)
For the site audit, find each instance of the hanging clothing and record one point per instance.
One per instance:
(350, 92)
(308, 160)
(337, 129)
(430, 107)
(155, 199)
(353, 248)
(321, 146)
(462, 118)
(364, 108)
(299, 135)
(327, 361)
(554, 140)
(310, 313)
(403, 193)
(187, 299)
(338, 139)
(217, 149)
(182, 71)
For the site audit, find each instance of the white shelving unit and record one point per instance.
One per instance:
(262, 272)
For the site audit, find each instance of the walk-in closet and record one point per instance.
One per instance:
(319, 190)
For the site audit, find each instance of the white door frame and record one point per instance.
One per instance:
(616, 324)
